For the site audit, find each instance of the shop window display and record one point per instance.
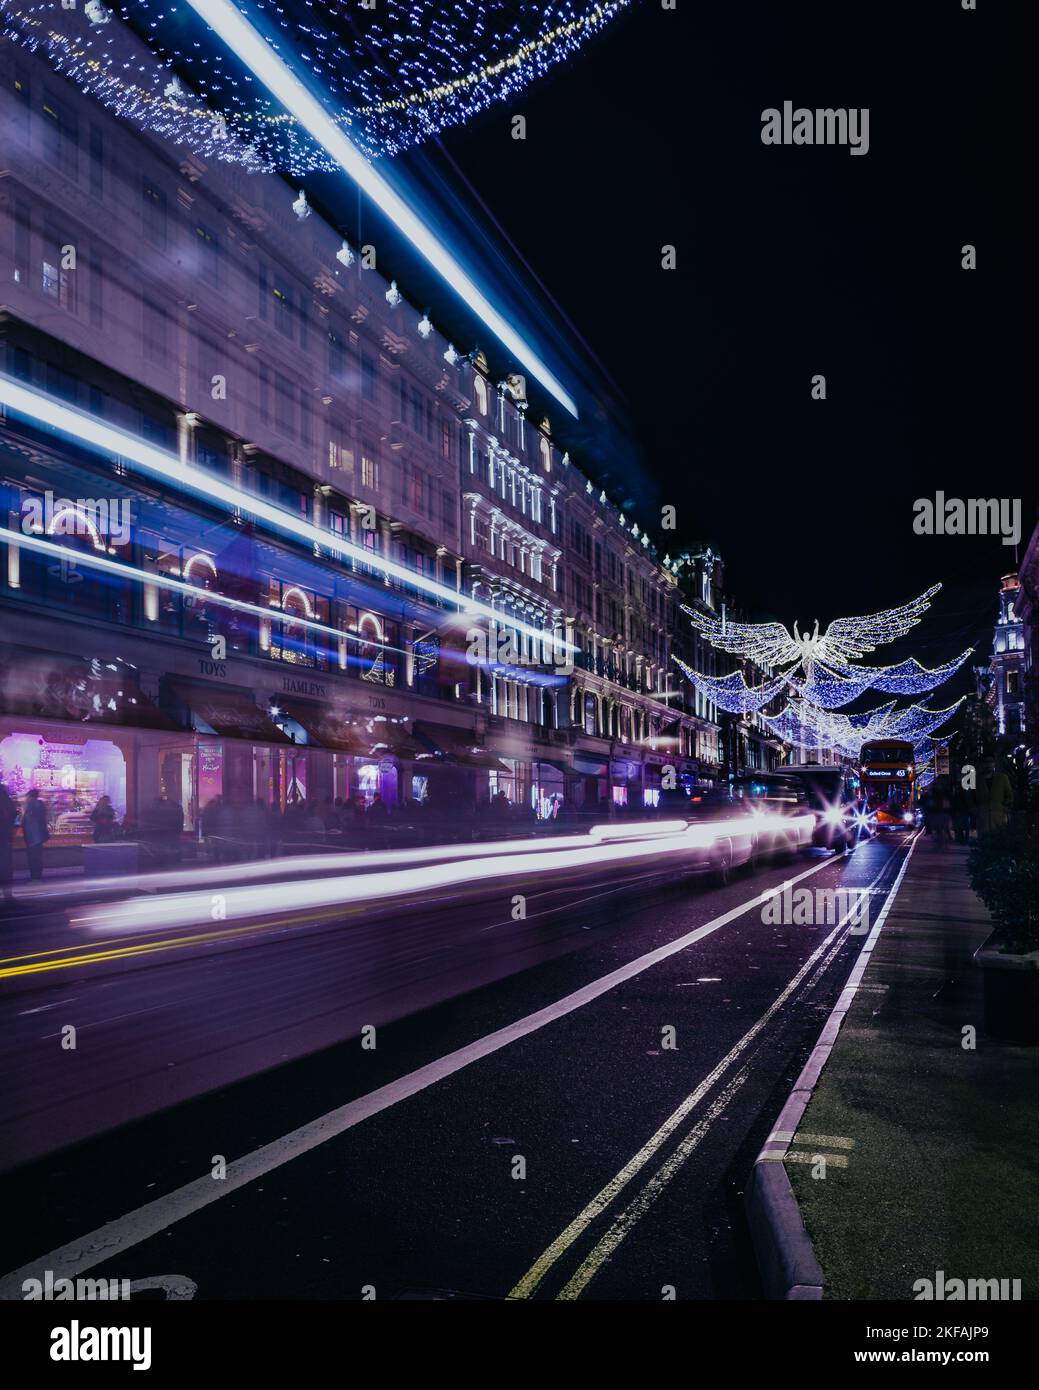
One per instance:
(70, 775)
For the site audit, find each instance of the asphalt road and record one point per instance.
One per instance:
(535, 1135)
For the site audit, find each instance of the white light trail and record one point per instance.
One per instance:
(294, 866)
(179, 910)
(248, 45)
(165, 581)
(110, 439)
(621, 831)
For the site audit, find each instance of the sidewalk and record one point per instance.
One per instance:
(940, 1142)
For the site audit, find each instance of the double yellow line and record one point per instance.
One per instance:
(62, 958)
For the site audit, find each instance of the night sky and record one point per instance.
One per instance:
(695, 385)
(791, 261)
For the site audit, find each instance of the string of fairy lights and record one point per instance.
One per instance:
(828, 678)
(392, 76)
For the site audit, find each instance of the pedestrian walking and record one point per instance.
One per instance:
(210, 825)
(255, 828)
(8, 820)
(963, 804)
(941, 812)
(102, 817)
(35, 831)
(995, 797)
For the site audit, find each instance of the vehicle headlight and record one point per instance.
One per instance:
(908, 818)
(834, 816)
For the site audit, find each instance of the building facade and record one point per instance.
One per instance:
(352, 566)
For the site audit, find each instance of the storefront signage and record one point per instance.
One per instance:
(208, 667)
(296, 685)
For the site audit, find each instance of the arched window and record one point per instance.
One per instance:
(480, 388)
(200, 571)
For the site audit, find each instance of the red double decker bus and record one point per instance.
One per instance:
(888, 770)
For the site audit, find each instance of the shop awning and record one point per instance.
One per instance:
(556, 763)
(591, 767)
(395, 740)
(455, 745)
(48, 685)
(230, 713)
(324, 727)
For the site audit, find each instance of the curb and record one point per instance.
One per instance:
(786, 1256)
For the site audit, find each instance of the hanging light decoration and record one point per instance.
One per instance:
(732, 693)
(846, 639)
(805, 724)
(820, 677)
(395, 74)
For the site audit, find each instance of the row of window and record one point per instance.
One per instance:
(509, 547)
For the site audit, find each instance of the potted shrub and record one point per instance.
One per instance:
(1004, 872)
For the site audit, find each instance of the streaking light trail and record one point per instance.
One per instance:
(248, 45)
(110, 439)
(179, 910)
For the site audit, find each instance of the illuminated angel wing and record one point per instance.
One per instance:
(847, 639)
(769, 644)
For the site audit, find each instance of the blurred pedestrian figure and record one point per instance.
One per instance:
(378, 812)
(210, 823)
(927, 810)
(102, 817)
(941, 811)
(226, 829)
(171, 821)
(8, 818)
(995, 797)
(273, 830)
(35, 831)
(963, 802)
(254, 828)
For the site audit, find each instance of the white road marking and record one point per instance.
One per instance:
(24, 1013)
(126, 1231)
(176, 1288)
(824, 1141)
(638, 1206)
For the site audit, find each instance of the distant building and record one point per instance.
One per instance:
(1007, 689)
(1026, 609)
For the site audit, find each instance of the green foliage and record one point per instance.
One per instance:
(1004, 872)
